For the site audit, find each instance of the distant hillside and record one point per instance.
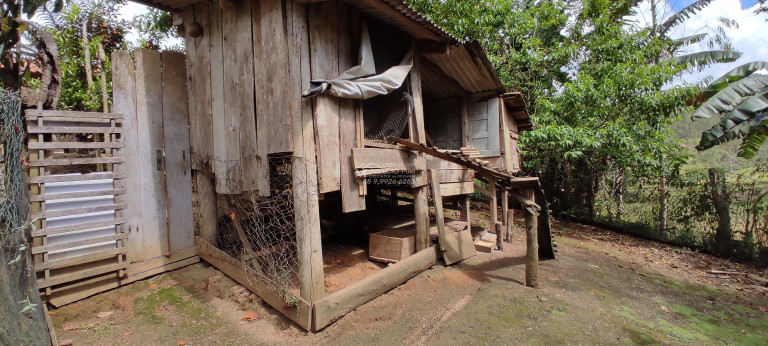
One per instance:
(721, 156)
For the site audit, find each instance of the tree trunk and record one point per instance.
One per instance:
(87, 55)
(722, 204)
(104, 96)
(663, 203)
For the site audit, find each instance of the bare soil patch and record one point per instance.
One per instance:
(605, 288)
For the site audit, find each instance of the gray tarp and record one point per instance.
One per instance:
(361, 82)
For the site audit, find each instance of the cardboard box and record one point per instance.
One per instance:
(391, 245)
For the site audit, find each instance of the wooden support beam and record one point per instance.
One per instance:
(499, 240)
(532, 243)
(434, 181)
(510, 224)
(421, 214)
(465, 211)
(494, 213)
(482, 190)
(337, 304)
(504, 206)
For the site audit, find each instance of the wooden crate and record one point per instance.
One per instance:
(391, 245)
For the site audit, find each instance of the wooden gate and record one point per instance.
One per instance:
(111, 193)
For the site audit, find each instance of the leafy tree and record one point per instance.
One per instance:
(523, 39)
(105, 32)
(11, 28)
(155, 28)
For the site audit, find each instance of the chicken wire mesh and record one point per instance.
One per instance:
(261, 231)
(22, 320)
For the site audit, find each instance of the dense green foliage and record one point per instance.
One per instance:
(605, 98)
(594, 86)
(103, 26)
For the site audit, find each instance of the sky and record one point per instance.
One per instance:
(751, 37)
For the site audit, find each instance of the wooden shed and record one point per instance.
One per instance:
(276, 172)
(314, 126)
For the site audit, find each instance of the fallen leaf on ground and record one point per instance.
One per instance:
(664, 308)
(104, 314)
(249, 316)
(127, 333)
(67, 342)
(68, 327)
(182, 343)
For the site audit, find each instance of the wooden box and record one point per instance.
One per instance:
(391, 245)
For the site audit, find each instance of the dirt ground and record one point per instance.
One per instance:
(605, 288)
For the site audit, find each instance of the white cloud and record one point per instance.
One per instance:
(749, 38)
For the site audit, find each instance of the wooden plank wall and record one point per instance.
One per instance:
(239, 72)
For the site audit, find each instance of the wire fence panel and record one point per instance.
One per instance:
(261, 231)
(22, 320)
(681, 210)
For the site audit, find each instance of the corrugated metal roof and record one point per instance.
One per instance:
(397, 11)
(468, 65)
(400, 13)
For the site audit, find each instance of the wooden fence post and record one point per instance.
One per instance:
(532, 244)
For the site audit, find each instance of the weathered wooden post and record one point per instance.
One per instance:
(532, 243)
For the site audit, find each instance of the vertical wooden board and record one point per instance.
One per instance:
(416, 127)
(272, 85)
(323, 43)
(190, 45)
(239, 110)
(199, 84)
(181, 228)
(149, 126)
(493, 126)
(220, 128)
(514, 147)
(273, 80)
(466, 125)
(506, 140)
(493, 212)
(479, 129)
(351, 198)
(305, 190)
(124, 102)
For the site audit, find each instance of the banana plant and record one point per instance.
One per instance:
(740, 99)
